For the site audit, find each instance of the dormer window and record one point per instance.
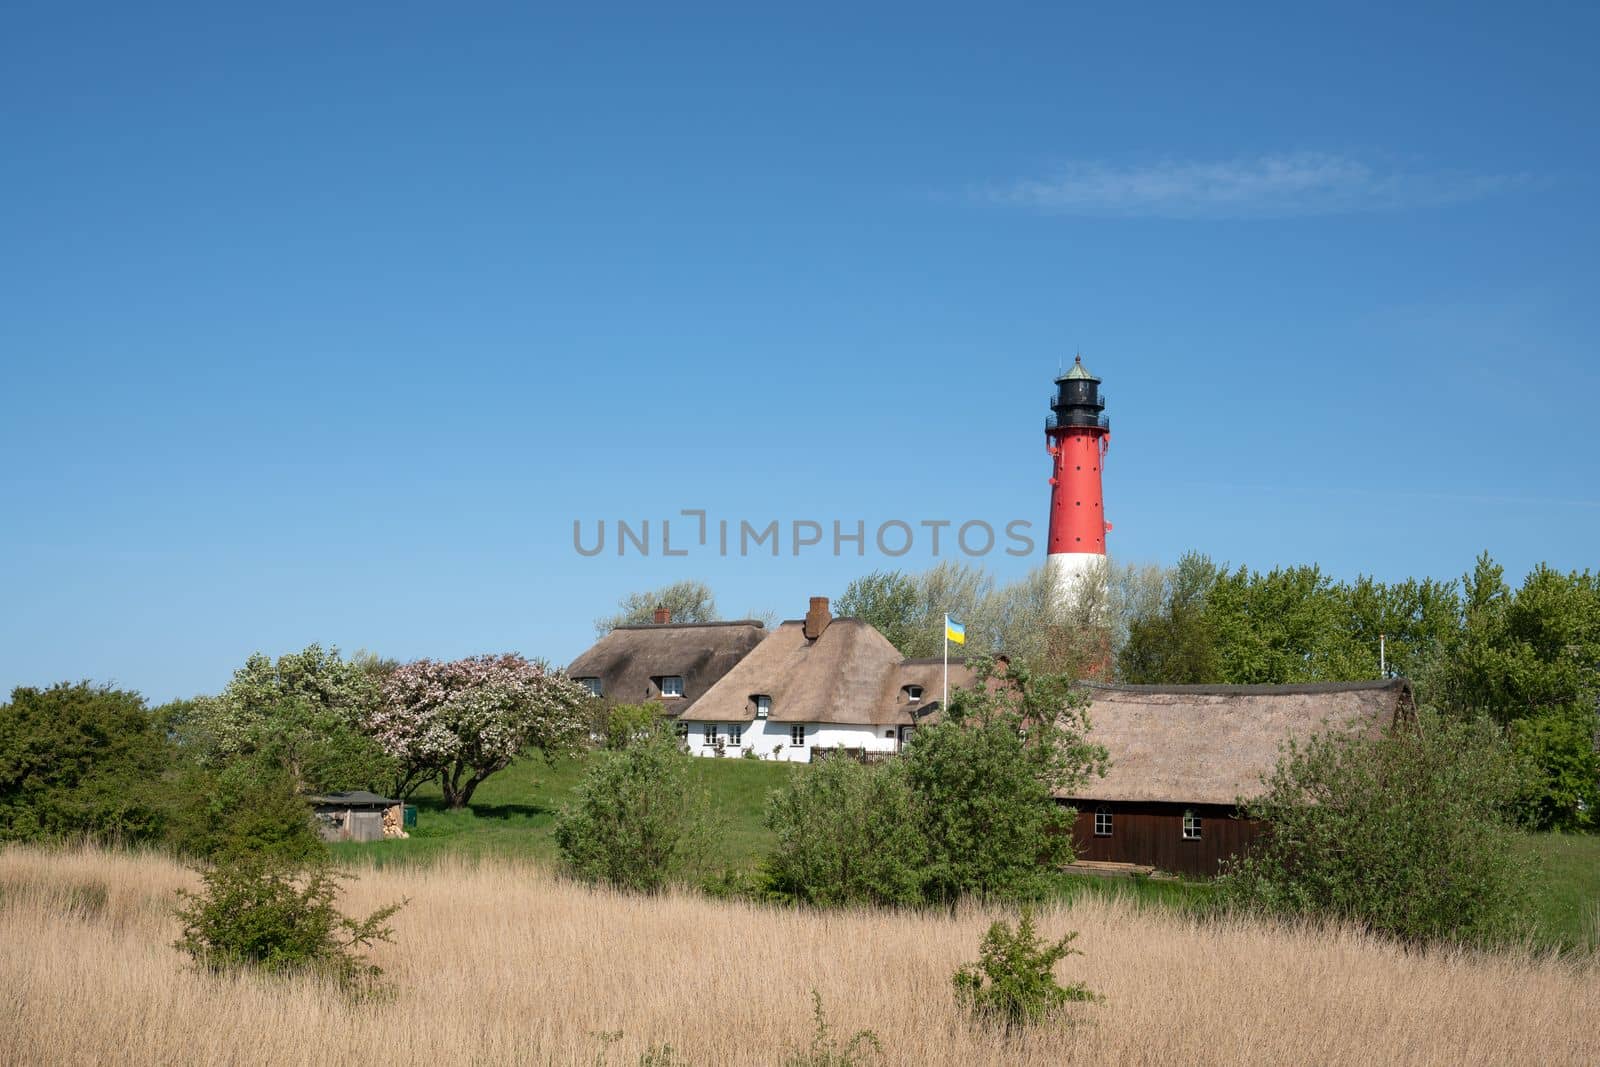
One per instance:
(912, 693)
(591, 684)
(671, 685)
(763, 705)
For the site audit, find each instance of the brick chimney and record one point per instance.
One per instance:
(817, 617)
(663, 616)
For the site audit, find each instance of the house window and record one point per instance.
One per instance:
(1191, 826)
(1102, 823)
(709, 737)
(591, 684)
(913, 694)
(763, 705)
(735, 734)
(797, 735)
(889, 734)
(672, 685)
(682, 730)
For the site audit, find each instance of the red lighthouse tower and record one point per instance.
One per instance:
(1077, 434)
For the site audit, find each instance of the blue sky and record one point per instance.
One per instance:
(325, 325)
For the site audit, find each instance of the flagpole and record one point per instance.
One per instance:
(944, 705)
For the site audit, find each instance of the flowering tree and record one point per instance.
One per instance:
(465, 719)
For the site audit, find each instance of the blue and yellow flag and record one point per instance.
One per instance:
(954, 631)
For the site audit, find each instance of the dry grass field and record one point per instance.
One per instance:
(501, 963)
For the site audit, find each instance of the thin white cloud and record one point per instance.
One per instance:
(1269, 186)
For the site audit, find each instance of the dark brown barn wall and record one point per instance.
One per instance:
(1152, 834)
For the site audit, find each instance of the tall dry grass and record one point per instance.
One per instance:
(503, 964)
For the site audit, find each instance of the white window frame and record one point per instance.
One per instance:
(1191, 825)
(592, 685)
(797, 735)
(913, 694)
(708, 734)
(763, 704)
(676, 690)
(1103, 822)
(735, 734)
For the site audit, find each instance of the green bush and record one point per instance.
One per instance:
(249, 807)
(81, 760)
(1557, 749)
(847, 833)
(1013, 983)
(635, 823)
(1410, 835)
(273, 914)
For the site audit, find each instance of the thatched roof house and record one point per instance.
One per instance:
(820, 683)
(1210, 744)
(1181, 756)
(675, 663)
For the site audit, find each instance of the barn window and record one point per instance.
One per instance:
(710, 735)
(1102, 823)
(592, 685)
(1191, 826)
(797, 735)
(672, 685)
(735, 734)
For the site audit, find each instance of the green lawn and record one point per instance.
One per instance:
(513, 815)
(1566, 888)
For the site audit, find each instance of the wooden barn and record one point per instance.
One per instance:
(1183, 756)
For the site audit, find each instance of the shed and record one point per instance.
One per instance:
(357, 816)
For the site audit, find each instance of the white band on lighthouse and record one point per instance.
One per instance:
(1075, 577)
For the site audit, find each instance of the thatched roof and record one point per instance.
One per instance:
(629, 657)
(1210, 744)
(849, 675)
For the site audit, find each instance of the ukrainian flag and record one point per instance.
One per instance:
(954, 631)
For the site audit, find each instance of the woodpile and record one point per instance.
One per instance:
(394, 822)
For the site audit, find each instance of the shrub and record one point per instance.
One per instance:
(81, 760)
(635, 823)
(628, 724)
(1013, 983)
(847, 833)
(275, 915)
(826, 1050)
(1408, 835)
(1558, 752)
(249, 807)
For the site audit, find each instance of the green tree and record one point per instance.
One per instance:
(890, 602)
(1409, 835)
(302, 713)
(82, 759)
(985, 779)
(847, 833)
(635, 823)
(688, 601)
(1174, 644)
(1557, 750)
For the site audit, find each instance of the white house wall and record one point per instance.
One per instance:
(763, 737)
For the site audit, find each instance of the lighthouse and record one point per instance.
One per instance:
(1077, 434)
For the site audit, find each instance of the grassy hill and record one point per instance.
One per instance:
(513, 817)
(513, 813)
